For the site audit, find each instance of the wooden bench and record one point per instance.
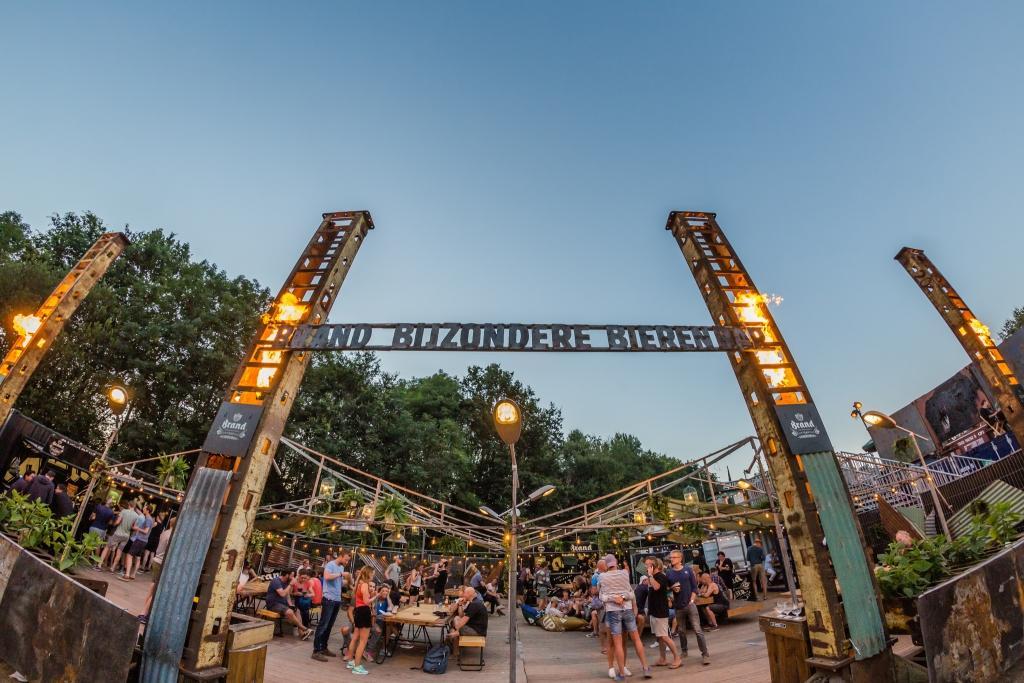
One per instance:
(477, 642)
(748, 608)
(273, 616)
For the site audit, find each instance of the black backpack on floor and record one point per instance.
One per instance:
(436, 660)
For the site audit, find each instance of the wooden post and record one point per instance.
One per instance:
(811, 491)
(252, 417)
(28, 350)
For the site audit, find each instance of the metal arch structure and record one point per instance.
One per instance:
(847, 635)
(28, 350)
(847, 630)
(973, 335)
(250, 422)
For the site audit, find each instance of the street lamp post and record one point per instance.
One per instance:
(508, 421)
(117, 401)
(875, 418)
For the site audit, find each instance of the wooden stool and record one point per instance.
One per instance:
(476, 642)
(273, 616)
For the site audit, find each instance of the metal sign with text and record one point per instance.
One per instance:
(520, 337)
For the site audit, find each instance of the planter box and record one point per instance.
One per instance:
(973, 624)
(54, 629)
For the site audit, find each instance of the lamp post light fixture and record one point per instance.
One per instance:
(118, 399)
(508, 422)
(875, 418)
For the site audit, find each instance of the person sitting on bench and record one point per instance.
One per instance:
(277, 601)
(719, 609)
(470, 618)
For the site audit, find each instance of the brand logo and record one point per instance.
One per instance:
(803, 428)
(56, 447)
(233, 428)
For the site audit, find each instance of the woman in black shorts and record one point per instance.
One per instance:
(362, 618)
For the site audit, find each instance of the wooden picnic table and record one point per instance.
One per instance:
(417, 620)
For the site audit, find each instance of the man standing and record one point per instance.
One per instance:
(41, 488)
(683, 583)
(724, 565)
(140, 537)
(394, 572)
(61, 504)
(543, 581)
(334, 583)
(115, 541)
(758, 578)
(698, 559)
(23, 482)
(100, 518)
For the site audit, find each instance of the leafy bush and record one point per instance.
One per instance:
(907, 571)
(32, 523)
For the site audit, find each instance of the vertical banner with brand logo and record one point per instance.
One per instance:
(803, 428)
(233, 429)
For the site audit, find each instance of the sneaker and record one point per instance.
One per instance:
(329, 653)
(617, 677)
(706, 659)
(360, 670)
(653, 645)
(685, 654)
(591, 635)
(647, 673)
(612, 673)
(626, 672)
(350, 664)
(319, 656)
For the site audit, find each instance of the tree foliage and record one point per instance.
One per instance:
(1015, 322)
(173, 330)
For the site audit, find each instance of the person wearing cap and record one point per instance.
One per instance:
(620, 614)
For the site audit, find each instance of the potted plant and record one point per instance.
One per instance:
(391, 510)
(172, 472)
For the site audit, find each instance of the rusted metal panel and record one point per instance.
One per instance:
(172, 604)
(972, 334)
(774, 391)
(27, 350)
(268, 377)
(973, 624)
(54, 629)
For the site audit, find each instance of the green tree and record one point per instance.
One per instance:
(169, 327)
(1015, 323)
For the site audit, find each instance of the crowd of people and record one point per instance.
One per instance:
(360, 601)
(671, 597)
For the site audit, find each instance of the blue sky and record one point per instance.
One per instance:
(520, 160)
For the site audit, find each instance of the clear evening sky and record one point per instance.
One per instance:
(520, 161)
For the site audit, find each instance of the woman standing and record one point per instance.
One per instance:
(363, 619)
(440, 581)
(413, 584)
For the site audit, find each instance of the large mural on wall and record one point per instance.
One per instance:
(957, 417)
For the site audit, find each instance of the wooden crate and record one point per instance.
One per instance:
(788, 649)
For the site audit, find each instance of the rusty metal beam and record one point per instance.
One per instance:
(781, 408)
(28, 350)
(252, 417)
(972, 334)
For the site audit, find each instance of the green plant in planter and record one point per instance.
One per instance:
(350, 501)
(172, 472)
(68, 552)
(450, 545)
(391, 510)
(908, 570)
(30, 521)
